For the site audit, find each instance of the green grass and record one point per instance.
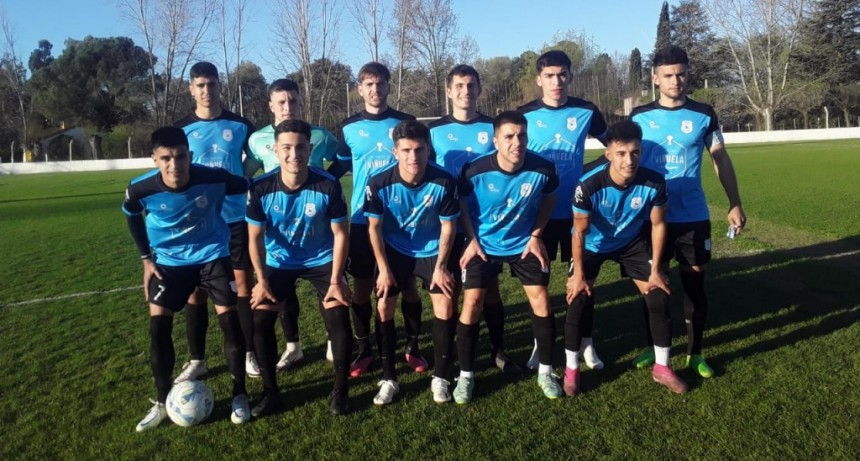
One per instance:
(783, 335)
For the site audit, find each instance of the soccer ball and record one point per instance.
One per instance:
(189, 403)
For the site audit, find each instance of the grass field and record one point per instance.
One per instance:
(783, 336)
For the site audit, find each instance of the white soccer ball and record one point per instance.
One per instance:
(189, 403)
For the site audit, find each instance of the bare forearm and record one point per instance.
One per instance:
(544, 212)
(341, 250)
(446, 242)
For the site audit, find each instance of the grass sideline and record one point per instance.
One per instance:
(785, 305)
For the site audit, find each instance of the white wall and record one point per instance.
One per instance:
(141, 163)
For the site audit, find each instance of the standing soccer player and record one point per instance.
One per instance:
(217, 138)
(458, 138)
(183, 244)
(286, 104)
(611, 205)
(508, 197)
(411, 210)
(675, 131)
(297, 223)
(366, 148)
(558, 125)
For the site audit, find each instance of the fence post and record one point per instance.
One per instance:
(71, 142)
(129, 146)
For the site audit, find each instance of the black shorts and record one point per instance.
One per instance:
(689, 242)
(556, 235)
(481, 274)
(361, 263)
(634, 258)
(240, 255)
(178, 282)
(456, 251)
(282, 282)
(404, 267)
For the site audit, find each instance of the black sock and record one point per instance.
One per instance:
(695, 309)
(467, 343)
(196, 324)
(389, 345)
(162, 356)
(246, 319)
(494, 316)
(586, 324)
(544, 332)
(290, 319)
(266, 347)
(361, 314)
(660, 318)
(234, 349)
(443, 347)
(340, 331)
(573, 321)
(649, 340)
(411, 311)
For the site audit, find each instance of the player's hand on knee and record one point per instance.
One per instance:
(260, 294)
(442, 278)
(384, 283)
(472, 249)
(149, 271)
(658, 280)
(575, 286)
(536, 247)
(338, 293)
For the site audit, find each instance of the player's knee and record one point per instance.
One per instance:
(657, 302)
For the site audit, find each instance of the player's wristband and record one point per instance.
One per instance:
(146, 256)
(534, 236)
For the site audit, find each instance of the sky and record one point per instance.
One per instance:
(500, 27)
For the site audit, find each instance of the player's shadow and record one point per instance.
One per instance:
(757, 303)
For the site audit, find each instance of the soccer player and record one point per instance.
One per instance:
(508, 197)
(183, 244)
(558, 125)
(286, 104)
(366, 148)
(611, 205)
(297, 224)
(411, 208)
(217, 138)
(675, 130)
(458, 138)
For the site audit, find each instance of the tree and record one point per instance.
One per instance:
(400, 32)
(174, 29)
(434, 39)
(805, 98)
(254, 92)
(635, 77)
(231, 23)
(692, 32)
(338, 76)
(368, 17)
(14, 77)
(761, 36)
(41, 56)
(96, 81)
(664, 29)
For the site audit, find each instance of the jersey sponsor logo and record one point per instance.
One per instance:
(526, 189)
(687, 126)
(492, 187)
(577, 195)
(201, 201)
(483, 137)
(227, 134)
(395, 199)
(636, 203)
(451, 137)
(269, 147)
(277, 209)
(310, 210)
(363, 134)
(540, 124)
(196, 134)
(163, 206)
(654, 125)
(571, 123)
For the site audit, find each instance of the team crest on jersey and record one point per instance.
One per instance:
(310, 210)
(577, 195)
(636, 203)
(687, 126)
(227, 134)
(201, 201)
(483, 137)
(571, 123)
(391, 133)
(526, 189)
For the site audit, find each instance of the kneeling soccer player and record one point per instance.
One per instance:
(411, 210)
(297, 218)
(508, 196)
(611, 204)
(184, 244)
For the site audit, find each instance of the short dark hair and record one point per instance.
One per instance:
(283, 84)
(552, 58)
(509, 116)
(168, 136)
(204, 69)
(462, 70)
(374, 69)
(624, 131)
(670, 55)
(294, 126)
(411, 129)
